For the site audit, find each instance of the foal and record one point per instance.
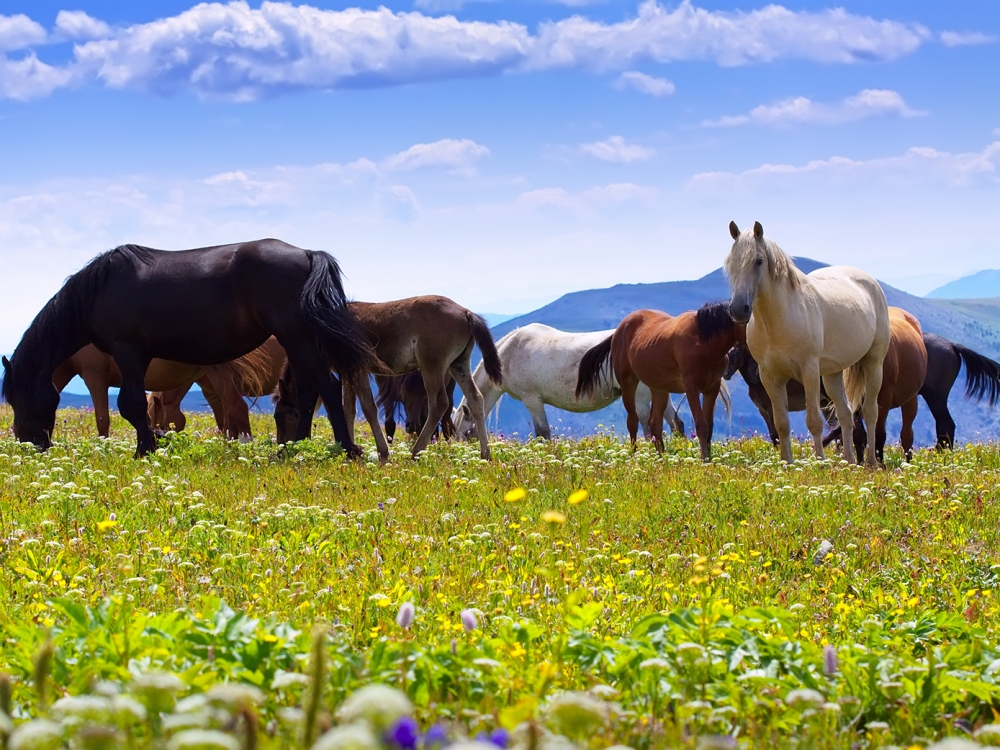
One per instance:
(684, 354)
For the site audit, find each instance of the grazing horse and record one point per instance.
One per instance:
(434, 335)
(99, 372)
(540, 367)
(407, 391)
(903, 373)
(231, 412)
(806, 328)
(683, 354)
(203, 307)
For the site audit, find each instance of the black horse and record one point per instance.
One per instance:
(944, 361)
(203, 307)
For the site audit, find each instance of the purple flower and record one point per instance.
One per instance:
(500, 737)
(469, 621)
(403, 733)
(404, 618)
(829, 660)
(436, 735)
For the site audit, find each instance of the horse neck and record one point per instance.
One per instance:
(773, 302)
(48, 343)
(491, 392)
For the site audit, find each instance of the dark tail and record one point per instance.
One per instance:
(591, 366)
(484, 340)
(341, 340)
(982, 375)
(390, 394)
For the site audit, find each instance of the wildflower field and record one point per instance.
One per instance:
(567, 594)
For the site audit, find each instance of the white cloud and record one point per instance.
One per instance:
(801, 111)
(30, 78)
(236, 52)
(448, 152)
(965, 38)
(616, 150)
(18, 32)
(918, 163)
(239, 189)
(76, 24)
(644, 83)
(585, 201)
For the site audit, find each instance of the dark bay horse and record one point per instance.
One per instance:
(684, 354)
(432, 334)
(203, 307)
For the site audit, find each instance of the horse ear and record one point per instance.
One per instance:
(6, 364)
(734, 230)
(758, 230)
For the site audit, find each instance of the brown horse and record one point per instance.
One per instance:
(407, 391)
(684, 354)
(432, 334)
(100, 372)
(903, 373)
(232, 414)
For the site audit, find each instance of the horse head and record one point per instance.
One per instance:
(34, 405)
(747, 267)
(740, 360)
(464, 423)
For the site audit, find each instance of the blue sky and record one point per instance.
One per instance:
(501, 153)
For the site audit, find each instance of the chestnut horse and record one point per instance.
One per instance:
(432, 334)
(99, 372)
(903, 373)
(232, 414)
(684, 354)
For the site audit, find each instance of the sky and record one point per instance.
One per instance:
(499, 153)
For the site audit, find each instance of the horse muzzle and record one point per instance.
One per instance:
(740, 312)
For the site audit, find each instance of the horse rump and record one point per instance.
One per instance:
(589, 374)
(982, 375)
(342, 342)
(484, 340)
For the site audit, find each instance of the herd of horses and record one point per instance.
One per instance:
(265, 318)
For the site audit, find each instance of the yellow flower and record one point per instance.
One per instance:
(514, 495)
(553, 517)
(578, 497)
(103, 526)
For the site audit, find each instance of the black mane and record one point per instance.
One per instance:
(57, 325)
(713, 319)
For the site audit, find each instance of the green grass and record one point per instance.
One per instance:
(127, 565)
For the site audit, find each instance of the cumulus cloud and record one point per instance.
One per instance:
(76, 24)
(448, 152)
(644, 83)
(30, 78)
(617, 151)
(18, 32)
(965, 38)
(585, 201)
(801, 111)
(916, 163)
(236, 52)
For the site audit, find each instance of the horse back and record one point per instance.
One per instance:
(855, 314)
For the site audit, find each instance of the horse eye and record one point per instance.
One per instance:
(760, 262)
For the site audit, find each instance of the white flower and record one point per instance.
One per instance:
(379, 705)
(38, 734)
(348, 737)
(575, 714)
(235, 695)
(89, 707)
(805, 697)
(203, 739)
(284, 680)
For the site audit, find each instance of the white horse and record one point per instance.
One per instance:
(805, 328)
(540, 366)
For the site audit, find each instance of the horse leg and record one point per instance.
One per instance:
(448, 430)
(218, 406)
(540, 420)
(657, 405)
(437, 404)
(332, 393)
(943, 423)
(644, 411)
(779, 412)
(834, 384)
(672, 418)
(462, 372)
(132, 396)
(229, 406)
(860, 436)
(370, 409)
(814, 414)
(628, 384)
(351, 406)
(872, 368)
(708, 415)
(909, 413)
(99, 395)
(884, 407)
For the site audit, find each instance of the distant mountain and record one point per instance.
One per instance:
(974, 324)
(975, 286)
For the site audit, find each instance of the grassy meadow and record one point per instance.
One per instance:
(565, 594)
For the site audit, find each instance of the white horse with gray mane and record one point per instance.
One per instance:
(832, 324)
(540, 366)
